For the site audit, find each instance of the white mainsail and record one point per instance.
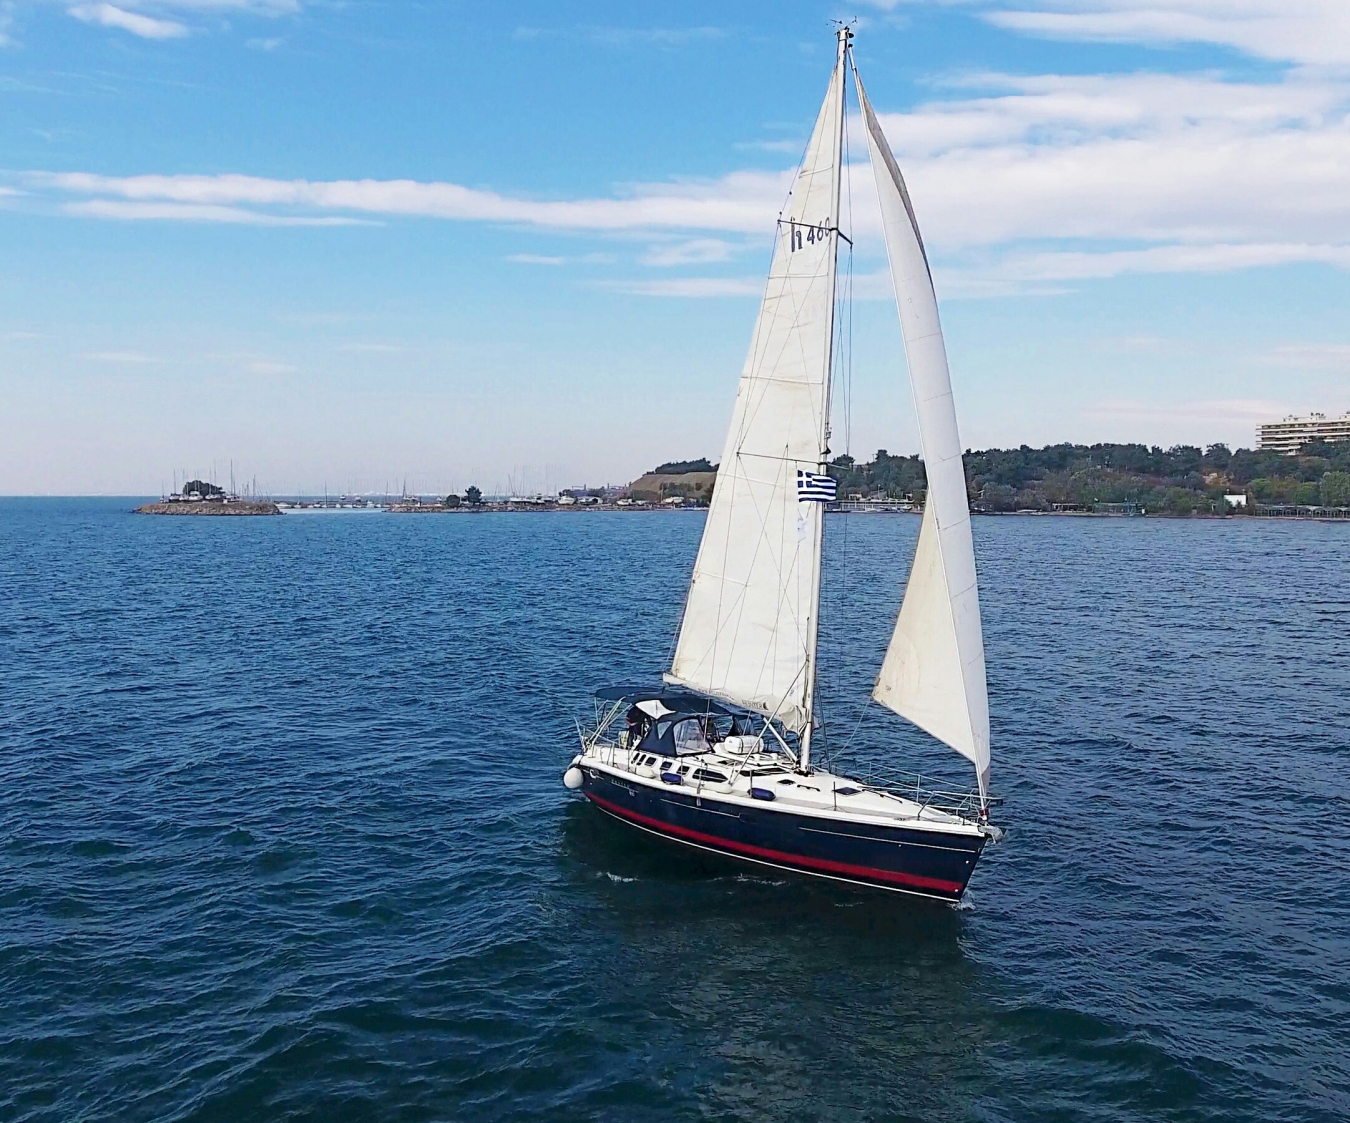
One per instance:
(749, 630)
(933, 673)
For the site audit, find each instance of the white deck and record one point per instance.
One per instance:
(821, 794)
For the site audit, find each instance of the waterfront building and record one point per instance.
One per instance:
(1291, 434)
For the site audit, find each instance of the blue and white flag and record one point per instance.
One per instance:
(814, 488)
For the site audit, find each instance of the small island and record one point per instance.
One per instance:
(201, 498)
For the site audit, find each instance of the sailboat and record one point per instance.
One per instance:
(719, 755)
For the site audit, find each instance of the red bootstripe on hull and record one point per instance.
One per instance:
(824, 864)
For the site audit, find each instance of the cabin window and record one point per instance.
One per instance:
(709, 776)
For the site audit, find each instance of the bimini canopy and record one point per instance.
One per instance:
(668, 700)
(674, 721)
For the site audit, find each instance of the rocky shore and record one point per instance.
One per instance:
(214, 507)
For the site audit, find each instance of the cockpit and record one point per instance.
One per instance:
(674, 723)
(680, 734)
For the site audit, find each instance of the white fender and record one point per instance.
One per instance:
(573, 778)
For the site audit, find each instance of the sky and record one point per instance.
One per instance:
(368, 245)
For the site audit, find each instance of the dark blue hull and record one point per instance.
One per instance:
(925, 862)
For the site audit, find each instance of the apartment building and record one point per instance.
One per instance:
(1291, 434)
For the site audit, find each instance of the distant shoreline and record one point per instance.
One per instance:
(253, 508)
(534, 509)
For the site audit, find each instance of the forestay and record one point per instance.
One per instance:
(933, 673)
(748, 633)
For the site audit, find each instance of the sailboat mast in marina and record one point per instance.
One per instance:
(719, 755)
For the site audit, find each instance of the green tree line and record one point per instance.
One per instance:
(1177, 480)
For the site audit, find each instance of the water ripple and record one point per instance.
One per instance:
(283, 836)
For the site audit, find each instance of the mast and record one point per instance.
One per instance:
(844, 34)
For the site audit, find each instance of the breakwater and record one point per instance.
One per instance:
(210, 507)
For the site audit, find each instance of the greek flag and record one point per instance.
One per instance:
(814, 488)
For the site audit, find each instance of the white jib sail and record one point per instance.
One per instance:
(933, 673)
(749, 629)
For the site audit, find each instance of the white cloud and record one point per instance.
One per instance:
(146, 27)
(1063, 110)
(696, 251)
(558, 259)
(145, 17)
(242, 7)
(133, 358)
(625, 36)
(1022, 184)
(1193, 416)
(694, 287)
(1333, 357)
(1313, 32)
(1146, 157)
(740, 201)
(791, 147)
(653, 36)
(199, 212)
(1036, 272)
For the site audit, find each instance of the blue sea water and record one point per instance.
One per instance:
(282, 833)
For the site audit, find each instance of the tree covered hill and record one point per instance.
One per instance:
(1178, 480)
(683, 467)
